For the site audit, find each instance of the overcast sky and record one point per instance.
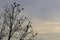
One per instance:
(42, 9)
(45, 13)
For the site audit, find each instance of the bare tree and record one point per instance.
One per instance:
(14, 22)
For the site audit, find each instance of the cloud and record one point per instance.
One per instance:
(43, 9)
(46, 13)
(45, 26)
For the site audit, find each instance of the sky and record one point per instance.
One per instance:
(45, 14)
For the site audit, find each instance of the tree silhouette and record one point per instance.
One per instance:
(13, 23)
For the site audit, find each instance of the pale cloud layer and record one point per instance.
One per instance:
(45, 16)
(46, 26)
(45, 13)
